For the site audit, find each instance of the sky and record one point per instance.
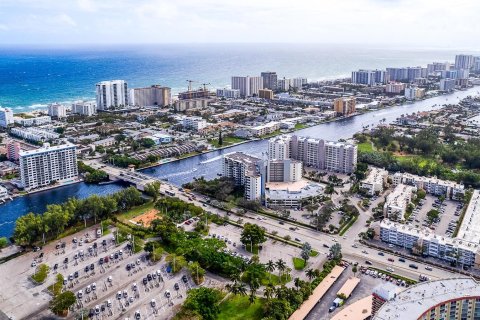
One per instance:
(426, 23)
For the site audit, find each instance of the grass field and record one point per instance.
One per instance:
(132, 213)
(298, 263)
(227, 141)
(299, 126)
(365, 147)
(239, 308)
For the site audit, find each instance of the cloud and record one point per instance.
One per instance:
(425, 22)
(87, 5)
(66, 19)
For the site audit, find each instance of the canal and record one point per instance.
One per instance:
(209, 164)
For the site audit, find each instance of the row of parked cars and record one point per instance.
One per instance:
(386, 277)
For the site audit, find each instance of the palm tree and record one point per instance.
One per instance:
(235, 276)
(270, 267)
(237, 288)
(310, 274)
(287, 273)
(269, 291)
(296, 282)
(281, 265)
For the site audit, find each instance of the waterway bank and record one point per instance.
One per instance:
(209, 164)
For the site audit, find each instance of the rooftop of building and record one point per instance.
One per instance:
(418, 299)
(349, 286)
(292, 190)
(432, 180)
(249, 161)
(46, 148)
(400, 195)
(358, 310)
(470, 227)
(375, 175)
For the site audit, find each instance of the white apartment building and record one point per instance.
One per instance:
(298, 83)
(424, 241)
(414, 93)
(464, 61)
(111, 94)
(3, 193)
(194, 123)
(318, 153)
(228, 93)
(256, 83)
(265, 129)
(84, 108)
(247, 86)
(36, 121)
(35, 134)
(284, 84)
(245, 171)
(434, 186)
(6, 117)
(374, 181)
(394, 87)
(57, 110)
(107, 142)
(242, 84)
(49, 164)
(279, 148)
(397, 201)
(447, 84)
(150, 96)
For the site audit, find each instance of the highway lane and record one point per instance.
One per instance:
(318, 239)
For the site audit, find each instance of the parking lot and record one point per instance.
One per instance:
(449, 212)
(95, 269)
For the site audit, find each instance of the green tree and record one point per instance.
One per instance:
(306, 250)
(281, 266)
(3, 242)
(28, 229)
(147, 143)
(354, 269)
(196, 272)
(310, 274)
(203, 301)
(432, 215)
(176, 262)
(220, 138)
(153, 190)
(336, 251)
(311, 207)
(237, 288)
(252, 235)
(62, 302)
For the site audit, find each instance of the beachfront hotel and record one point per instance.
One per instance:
(46, 165)
(111, 94)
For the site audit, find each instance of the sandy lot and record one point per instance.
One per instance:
(146, 218)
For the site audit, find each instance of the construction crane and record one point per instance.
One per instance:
(190, 84)
(205, 86)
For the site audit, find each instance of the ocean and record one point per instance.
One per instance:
(30, 78)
